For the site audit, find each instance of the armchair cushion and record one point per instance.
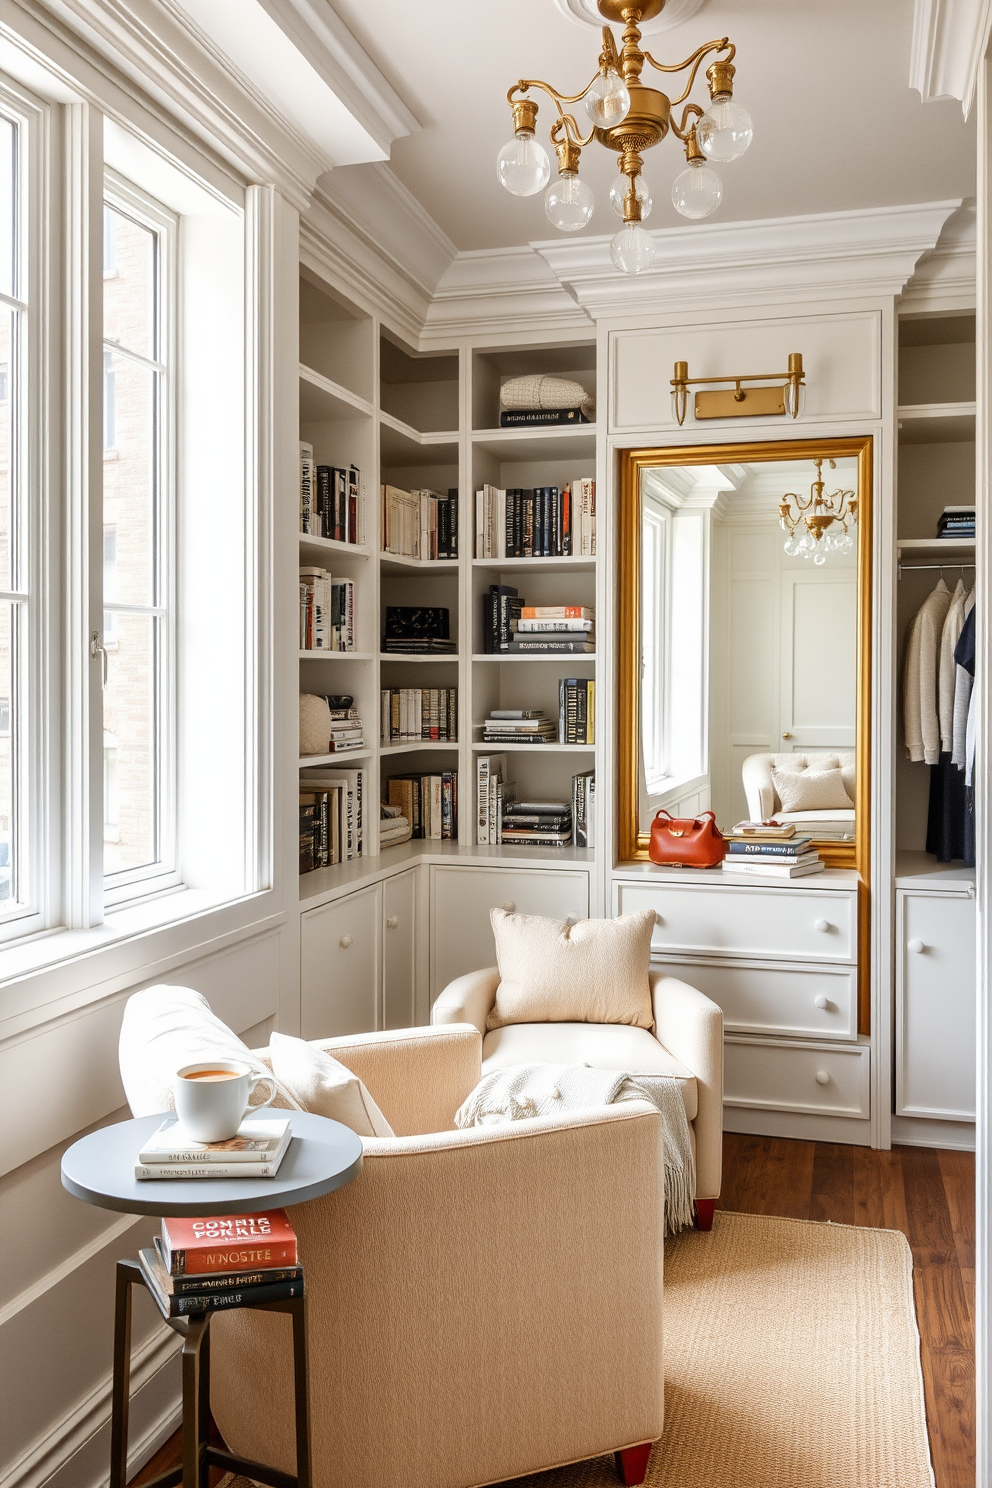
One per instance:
(811, 790)
(324, 1086)
(553, 972)
(605, 1046)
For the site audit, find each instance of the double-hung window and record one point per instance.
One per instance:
(139, 524)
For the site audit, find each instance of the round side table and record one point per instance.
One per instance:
(99, 1169)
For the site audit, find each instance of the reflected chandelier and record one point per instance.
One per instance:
(823, 523)
(628, 117)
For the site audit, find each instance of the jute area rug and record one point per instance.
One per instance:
(792, 1360)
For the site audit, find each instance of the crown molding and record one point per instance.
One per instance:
(513, 288)
(946, 276)
(950, 38)
(395, 225)
(784, 260)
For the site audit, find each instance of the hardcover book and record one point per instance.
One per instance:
(179, 1304)
(235, 1242)
(256, 1142)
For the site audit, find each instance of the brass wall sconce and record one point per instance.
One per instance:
(735, 402)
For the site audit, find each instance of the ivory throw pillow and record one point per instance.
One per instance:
(167, 1027)
(326, 1087)
(315, 724)
(553, 972)
(812, 790)
(545, 392)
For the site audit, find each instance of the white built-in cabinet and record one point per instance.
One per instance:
(358, 960)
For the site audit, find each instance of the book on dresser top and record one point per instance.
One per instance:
(770, 831)
(231, 1242)
(768, 868)
(751, 847)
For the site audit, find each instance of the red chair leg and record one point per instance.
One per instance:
(632, 1463)
(704, 1213)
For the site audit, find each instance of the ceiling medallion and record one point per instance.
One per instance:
(628, 117)
(587, 13)
(822, 522)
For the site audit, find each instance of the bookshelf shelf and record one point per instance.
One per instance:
(570, 442)
(451, 660)
(395, 563)
(336, 656)
(936, 423)
(563, 658)
(323, 401)
(941, 548)
(322, 549)
(534, 748)
(547, 565)
(417, 746)
(310, 761)
(402, 445)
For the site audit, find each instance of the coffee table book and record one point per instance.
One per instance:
(236, 1242)
(216, 1281)
(255, 1152)
(173, 1304)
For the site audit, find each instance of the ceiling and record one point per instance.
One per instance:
(836, 125)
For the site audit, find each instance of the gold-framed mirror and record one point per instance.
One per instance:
(744, 639)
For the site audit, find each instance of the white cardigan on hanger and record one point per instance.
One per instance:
(952, 628)
(921, 721)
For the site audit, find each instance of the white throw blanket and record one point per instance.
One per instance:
(522, 1090)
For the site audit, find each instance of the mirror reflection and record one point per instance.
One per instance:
(748, 633)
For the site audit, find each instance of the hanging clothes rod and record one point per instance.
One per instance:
(932, 567)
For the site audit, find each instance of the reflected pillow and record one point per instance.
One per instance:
(812, 790)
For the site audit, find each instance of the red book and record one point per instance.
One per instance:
(230, 1242)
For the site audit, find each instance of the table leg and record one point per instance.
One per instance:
(194, 1422)
(121, 1391)
(301, 1380)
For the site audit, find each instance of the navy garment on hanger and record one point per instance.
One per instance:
(951, 813)
(964, 655)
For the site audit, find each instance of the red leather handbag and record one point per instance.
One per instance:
(686, 842)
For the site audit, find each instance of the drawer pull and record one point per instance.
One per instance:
(392, 922)
(917, 947)
(509, 906)
(822, 1078)
(344, 942)
(659, 919)
(823, 1003)
(570, 920)
(823, 925)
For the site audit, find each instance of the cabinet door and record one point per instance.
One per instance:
(398, 951)
(935, 1007)
(461, 898)
(340, 965)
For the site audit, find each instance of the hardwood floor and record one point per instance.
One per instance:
(927, 1194)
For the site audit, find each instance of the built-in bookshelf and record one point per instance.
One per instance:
(429, 421)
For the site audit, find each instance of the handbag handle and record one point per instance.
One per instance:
(663, 811)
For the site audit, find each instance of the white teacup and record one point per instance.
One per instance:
(212, 1097)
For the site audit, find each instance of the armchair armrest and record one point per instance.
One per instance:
(418, 1077)
(690, 1026)
(459, 1290)
(468, 999)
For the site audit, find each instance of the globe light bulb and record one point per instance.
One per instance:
(642, 191)
(819, 557)
(725, 131)
(569, 202)
(523, 166)
(607, 100)
(632, 249)
(698, 191)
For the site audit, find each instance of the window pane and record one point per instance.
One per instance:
(130, 721)
(129, 484)
(8, 220)
(8, 754)
(129, 284)
(8, 390)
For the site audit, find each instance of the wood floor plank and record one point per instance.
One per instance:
(832, 1199)
(957, 1169)
(764, 1175)
(879, 1195)
(927, 1212)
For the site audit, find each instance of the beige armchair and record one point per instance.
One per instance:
(482, 1304)
(686, 1042)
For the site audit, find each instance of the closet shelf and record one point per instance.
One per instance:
(946, 549)
(936, 423)
(323, 401)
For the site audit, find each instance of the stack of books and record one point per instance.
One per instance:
(419, 524)
(548, 823)
(518, 629)
(255, 1152)
(417, 630)
(332, 828)
(494, 793)
(576, 710)
(347, 731)
(327, 611)
(428, 802)
(544, 522)
(408, 714)
(201, 1265)
(956, 522)
(332, 500)
(518, 726)
(759, 849)
(584, 809)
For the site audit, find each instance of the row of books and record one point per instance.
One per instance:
(546, 522)
(510, 625)
(765, 850)
(501, 818)
(419, 524)
(956, 521)
(332, 828)
(203, 1265)
(417, 630)
(327, 611)
(408, 714)
(576, 710)
(332, 499)
(428, 802)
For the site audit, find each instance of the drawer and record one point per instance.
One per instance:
(461, 898)
(935, 1006)
(784, 924)
(804, 1001)
(823, 1079)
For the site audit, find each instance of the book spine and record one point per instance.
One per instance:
(764, 849)
(482, 791)
(195, 1260)
(452, 524)
(145, 1171)
(306, 487)
(185, 1286)
(513, 417)
(279, 1291)
(581, 714)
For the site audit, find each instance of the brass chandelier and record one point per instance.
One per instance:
(628, 117)
(818, 524)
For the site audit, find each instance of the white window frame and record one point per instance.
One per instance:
(133, 884)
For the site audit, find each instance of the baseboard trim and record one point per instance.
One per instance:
(917, 1131)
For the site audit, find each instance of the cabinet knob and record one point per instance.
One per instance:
(392, 922)
(917, 947)
(570, 920)
(823, 926)
(509, 906)
(822, 1078)
(659, 919)
(344, 942)
(821, 1002)
(786, 736)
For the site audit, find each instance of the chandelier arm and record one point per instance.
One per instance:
(679, 130)
(559, 98)
(693, 62)
(567, 122)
